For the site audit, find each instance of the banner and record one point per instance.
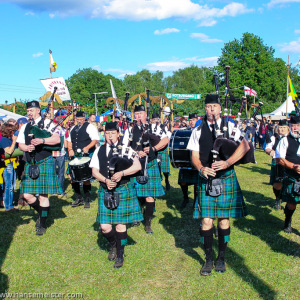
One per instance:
(53, 65)
(249, 91)
(183, 96)
(62, 89)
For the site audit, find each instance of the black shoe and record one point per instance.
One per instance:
(40, 231)
(220, 265)
(168, 186)
(287, 227)
(87, 204)
(119, 262)
(278, 205)
(87, 200)
(112, 255)
(79, 201)
(136, 224)
(37, 223)
(207, 268)
(148, 229)
(184, 203)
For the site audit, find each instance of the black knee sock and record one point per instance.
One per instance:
(44, 211)
(87, 188)
(149, 212)
(195, 191)
(288, 215)
(166, 177)
(207, 241)
(224, 237)
(276, 193)
(76, 187)
(185, 189)
(142, 201)
(121, 239)
(35, 205)
(111, 237)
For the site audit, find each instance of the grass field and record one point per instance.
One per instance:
(262, 260)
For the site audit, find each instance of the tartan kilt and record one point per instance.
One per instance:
(287, 190)
(47, 182)
(188, 176)
(128, 211)
(153, 188)
(165, 162)
(230, 204)
(277, 172)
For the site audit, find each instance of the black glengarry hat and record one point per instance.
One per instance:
(295, 120)
(33, 103)
(212, 98)
(283, 123)
(139, 108)
(155, 115)
(111, 126)
(193, 116)
(80, 113)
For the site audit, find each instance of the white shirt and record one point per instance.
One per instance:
(21, 136)
(91, 131)
(282, 148)
(193, 144)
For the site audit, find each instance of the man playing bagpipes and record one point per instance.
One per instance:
(147, 187)
(81, 141)
(118, 203)
(39, 175)
(277, 171)
(188, 177)
(225, 199)
(287, 154)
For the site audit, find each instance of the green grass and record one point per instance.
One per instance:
(262, 261)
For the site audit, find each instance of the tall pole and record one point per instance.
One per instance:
(96, 107)
(287, 85)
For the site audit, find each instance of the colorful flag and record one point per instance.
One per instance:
(53, 65)
(292, 91)
(249, 91)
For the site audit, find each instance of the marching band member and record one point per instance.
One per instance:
(128, 209)
(287, 155)
(82, 140)
(228, 204)
(277, 171)
(153, 187)
(188, 177)
(47, 182)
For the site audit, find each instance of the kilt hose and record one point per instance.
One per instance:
(287, 189)
(153, 188)
(128, 211)
(46, 184)
(230, 204)
(188, 176)
(277, 172)
(165, 162)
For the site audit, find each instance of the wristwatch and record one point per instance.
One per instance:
(43, 141)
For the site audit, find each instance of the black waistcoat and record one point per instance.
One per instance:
(39, 153)
(277, 139)
(206, 143)
(291, 152)
(104, 167)
(80, 138)
(136, 135)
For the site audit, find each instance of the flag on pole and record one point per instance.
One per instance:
(118, 107)
(249, 91)
(292, 91)
(53, 65)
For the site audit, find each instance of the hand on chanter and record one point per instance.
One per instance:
(110, 184)
(206, 171)
(219, 165)
(117, 176)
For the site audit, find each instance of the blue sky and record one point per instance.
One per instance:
(121, 37)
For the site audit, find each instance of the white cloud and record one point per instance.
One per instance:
(96, 67)
(206, 61)
(37, 54)
(166, 66)
(297, 31)
(112, 70)
(124, 74)
(29, 13)
(133, 9)
(292, 47)
(273, 3)
(166, 31)
(207, 23)
(204, 38)
(51, 16)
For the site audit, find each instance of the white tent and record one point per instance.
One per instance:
(5, 115)
(281, 110)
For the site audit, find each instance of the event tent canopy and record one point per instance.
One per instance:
(5, 115)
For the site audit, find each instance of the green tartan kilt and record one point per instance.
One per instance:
(165, 162)
(128, 211)
(46, 184)
(188, 176)
(277, 172)
(287, 190)
(230, 204)
(153, 188)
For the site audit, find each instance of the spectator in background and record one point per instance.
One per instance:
(101, 133)
(183, 122)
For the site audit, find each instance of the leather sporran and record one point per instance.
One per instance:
(296, 188)
(34, 171)
(111, 200)
(214, 187)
